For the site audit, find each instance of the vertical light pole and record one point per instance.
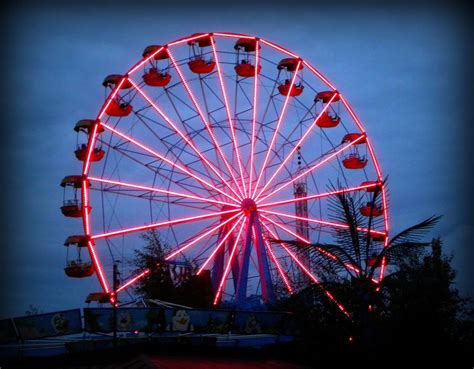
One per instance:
(114, 306)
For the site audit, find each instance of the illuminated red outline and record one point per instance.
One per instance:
(159, 156)
(153, 189)
(85, 206)
(160, 224)
(298, 144)
(286, 229)
(379, 173)
(142, 62)
(90, 148)
(319, 249)
(186, 39)
(317, 165)
(227, 268)
(218, 247)
(308, 273)
(324, 222)
(318, 196)
(111, 97)
(279, 48)
(98, 266)
(254, 113)
(321, 77)
(229, 116)
(181, 134)
(182, 248)
(131, 281)
(205, 121)
(279, 268)
(275, 134)
(233, 35)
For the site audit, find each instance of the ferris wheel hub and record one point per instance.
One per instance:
(248, 205)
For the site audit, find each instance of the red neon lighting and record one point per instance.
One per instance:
(98, 267)
(275, 134)
(317, 196)
(227, 268)
(233, 35)
(111, 97)
(145, 60)
(132, 281)
(229, 116)
(286, 229)
(192, 38)
(92, 138)
(153, 189)
(279, 268)
(85, 207)
(379, 174)
(168, 161)
(161, 224)
(317, 165)
(205, 121)
(298, 144)
(254, 113)
(321, 77)
(279, 48)
(217, 248)
(182, 248)
(324, 252)
(181, 134)
(324, 222)
(308, 273)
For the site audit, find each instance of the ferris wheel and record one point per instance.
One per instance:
(219, 142)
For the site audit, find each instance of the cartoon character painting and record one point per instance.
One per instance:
(252, 325)
(181, 322)
(60, 323)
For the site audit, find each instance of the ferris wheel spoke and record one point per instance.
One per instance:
(171, 147)
(97, 266)
(197, 239)
(205, 121)
(275, 133)
(163, 173)
(254, 114)
(349, 267)
(219, 245)
(320, 195)
(168, 161)
(154, 189)
(229, 116)
(233, 254)
(297, 145)
(183, 136)
(131, 281)
(308, 272)
(121, 232)
(279, 267)
(324, 223)
(287, 230)
(312, 168)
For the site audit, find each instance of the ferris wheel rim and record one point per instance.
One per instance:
(238, 195)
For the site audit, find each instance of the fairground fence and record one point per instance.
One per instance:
(144, 320)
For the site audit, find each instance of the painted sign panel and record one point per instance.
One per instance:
(49, 325)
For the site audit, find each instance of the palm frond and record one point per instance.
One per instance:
(416, 232)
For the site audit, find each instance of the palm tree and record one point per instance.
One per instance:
(359, 251)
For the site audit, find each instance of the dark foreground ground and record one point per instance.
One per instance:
(295, 355)
(167, 357)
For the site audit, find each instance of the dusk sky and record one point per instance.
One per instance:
(403, 73)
